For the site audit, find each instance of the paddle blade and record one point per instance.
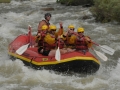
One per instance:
(107, 49)
(22, 49)
(57, 54)
(102, 56)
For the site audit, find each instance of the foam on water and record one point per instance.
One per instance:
(15, 76)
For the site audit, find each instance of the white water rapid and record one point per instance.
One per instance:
(14, 20)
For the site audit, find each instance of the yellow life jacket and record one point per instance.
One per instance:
(49, 39)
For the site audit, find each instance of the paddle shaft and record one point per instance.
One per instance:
(23, 48)
(57, 53)
(101, 46)
(29, 33)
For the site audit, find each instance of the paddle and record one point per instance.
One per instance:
(57, 53)
(23, 48)
(29, 34)
(105, 48)
(102, 56)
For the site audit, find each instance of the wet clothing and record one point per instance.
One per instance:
(50, 42)
(88, 41)
(60, 32)
(50, 39)
(82, 43)
(61, 43)
(70, 41)
(40, 39)
(45, 52)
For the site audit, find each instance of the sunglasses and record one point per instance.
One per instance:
(53, 29)
(71, 29)
(80, 32)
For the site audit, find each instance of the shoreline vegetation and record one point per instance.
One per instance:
(75, 2)
(5, 1)
(103, 10)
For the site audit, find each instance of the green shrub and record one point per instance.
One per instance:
(75, 2)
(5, 1)
(106, 10)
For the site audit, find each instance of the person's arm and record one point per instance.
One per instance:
(37, 37)
(40, 25)
(63, 36)
(60, 31)
(88, 41)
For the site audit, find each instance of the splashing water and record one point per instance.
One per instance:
(15, 18)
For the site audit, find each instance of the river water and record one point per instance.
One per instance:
(14, 20)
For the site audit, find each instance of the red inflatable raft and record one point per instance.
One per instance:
(70, 62)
